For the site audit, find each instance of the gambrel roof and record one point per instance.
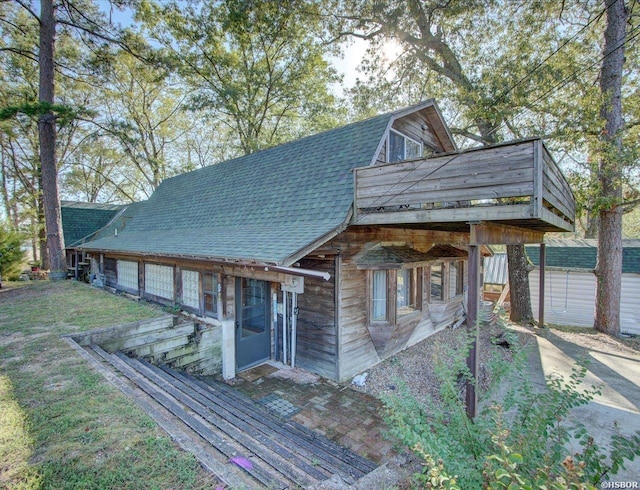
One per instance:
(272, 206)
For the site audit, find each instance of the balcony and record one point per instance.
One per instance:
(515, 184)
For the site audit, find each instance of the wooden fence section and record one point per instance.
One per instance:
(506, 182)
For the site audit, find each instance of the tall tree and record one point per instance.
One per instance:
(259, 63)
(47, 138)
(609, 263)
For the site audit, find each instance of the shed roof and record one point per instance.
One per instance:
(270, 206)
(582, 254)
(81, 219)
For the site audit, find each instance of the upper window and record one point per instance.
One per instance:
(402, 147)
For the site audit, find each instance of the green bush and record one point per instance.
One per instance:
(521, 441)
(11, 255)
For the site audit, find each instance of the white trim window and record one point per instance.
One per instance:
(127, 272)
(401, 147)
(158, 280)
(191, 288)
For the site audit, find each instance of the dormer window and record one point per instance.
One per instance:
(402, 147)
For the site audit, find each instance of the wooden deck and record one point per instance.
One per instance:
(516, 184)
(270, 451)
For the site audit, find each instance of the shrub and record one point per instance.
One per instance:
(520, 441)
(11, 255)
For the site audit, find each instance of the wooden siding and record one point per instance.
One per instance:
(317, 340)
(412, 126)
(505, 183)
(110, 271)
(356, 350)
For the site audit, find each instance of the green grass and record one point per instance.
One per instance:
(62, 426)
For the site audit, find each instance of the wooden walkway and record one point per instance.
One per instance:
(271, 451)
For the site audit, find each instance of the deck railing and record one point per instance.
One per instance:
(508, 182)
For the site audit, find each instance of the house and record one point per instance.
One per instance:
(337, 250)
(570, 283)
(80, 220)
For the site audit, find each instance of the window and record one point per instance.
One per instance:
(158, 280)
(402, 147)
(127, 272)
(435, 281)
(456, 278)
(191, 289)
(210, 293)
(388, 303)
(379, 297)
(408, 291)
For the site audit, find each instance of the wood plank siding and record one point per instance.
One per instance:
(505, 183)
(356, 347)
(316, 327)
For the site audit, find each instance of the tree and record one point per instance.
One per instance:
(260, 64)
(142, 111)
(609, 262)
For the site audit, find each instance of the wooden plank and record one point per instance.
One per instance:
(338, 458)
(195, 424)
(479, 213)
(204, 452)
(268, 449)
(497, 234)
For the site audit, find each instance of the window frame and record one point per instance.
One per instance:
(215, 282)
(405, 139)
(392, 315)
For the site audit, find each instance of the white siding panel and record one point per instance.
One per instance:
(127, 274)
(569, 297)
(191, 288)
(630, 304)
(158, 280)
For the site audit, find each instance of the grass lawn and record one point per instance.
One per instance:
(62, 425)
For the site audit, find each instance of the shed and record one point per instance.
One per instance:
(570, 283)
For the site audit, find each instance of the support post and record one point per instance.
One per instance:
(543, 253)
(473, 302)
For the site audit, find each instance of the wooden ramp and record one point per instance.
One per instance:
(271, 451)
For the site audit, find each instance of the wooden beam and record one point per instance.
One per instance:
(473, 303)
(445, 215)
(541, 288)
(491, 233)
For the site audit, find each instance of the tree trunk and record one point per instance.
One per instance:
(609, 263)
(520, 311)
(47, 139)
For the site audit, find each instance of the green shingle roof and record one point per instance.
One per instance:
(267, 206)
(79, 220)
(582, 254)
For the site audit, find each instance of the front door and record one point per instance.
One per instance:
(253, 322)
